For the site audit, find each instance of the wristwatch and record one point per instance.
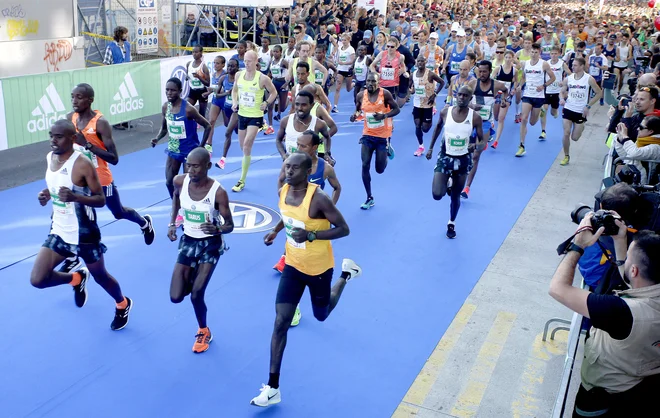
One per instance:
(88, 145)
(311, 236)
(574, 247)
(619, 263)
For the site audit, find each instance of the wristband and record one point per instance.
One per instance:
(574, 247)
(587, 106)
(170, 225)
(620, 262)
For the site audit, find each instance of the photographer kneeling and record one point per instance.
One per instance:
(622, 353)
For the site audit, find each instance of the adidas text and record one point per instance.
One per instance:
(44, 122)
(126, 106)
(127, 98)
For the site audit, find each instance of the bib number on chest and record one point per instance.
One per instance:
(455, 66)
(195, 83)
(276, 72)
(176, 129)
(374, 123)
(289, 224)
(387, 73)
(246, 99)
(88, 154)
(59, 207)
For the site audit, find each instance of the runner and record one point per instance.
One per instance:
(389, 65)
(425, 91)
(304, 51)
(534, 95)
(320, 54)
(558, 67)
(506, 74)
(454, 158)
(324, 115)
(312, 221)
(379, 107)
(206, 219)
(229, 117)
(278, 71)
(248, 101)
(360, 70)
(180, 120)
(455, 54)
(94, 140)
(199, 78)
(464, 77)
(217, 100)
(575, 93)
(74, 187)
(302, 78)
(294, 125)
(345, 62)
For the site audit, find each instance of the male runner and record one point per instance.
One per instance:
(202, 199)
(94, 140)
(302, 77)
(199, 79)
(483, 101)
(304, 52)
(379, 107)
(536, 76)
(73, 185)
(324, 115)
(558, 67)
(575, 92)
(248, 100)
(454, 158)
(424, 91)
(292, 126)
(180, 120)
(311, 221)
(462, 79)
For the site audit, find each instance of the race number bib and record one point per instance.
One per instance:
(594, 71)
(318, 77)
(59, 207)
(195, 219)
(484, 112)
(387, 73)
(455, 66)
(276, 72)
(358, 70)
(343, 58)
(246, 99)
(372, 122)
(289, 224)
(420, 92)
(263, 66)
(176, 129)
(196, 83)
(87, 153)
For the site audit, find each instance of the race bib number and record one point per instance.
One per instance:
(196, 83)
(419, 95)
(577, 95)
(455, 66)
(289, 224)
(87, 153)
(276, 72)
(484, 112)
(263, 66)
(318, 77)
(358, 70)
(387, 73)
(176, 129)
(594, 71)
(195, 219)
(343, 58)
(228, 100)
(457, 143)
(246, 99)
(372, 122)
(59, 207)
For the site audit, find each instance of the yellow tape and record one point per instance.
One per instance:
(165, 45)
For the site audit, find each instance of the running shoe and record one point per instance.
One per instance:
(419, 151)
(280, 264)
(148, 231)
(521, 151)
(451, 231)
(390, 151)
(277, 117)
(368, 204)
(121, 316)
(465, 192)
(494, 144)
(349, 266)
(565, 160)
(267, 397)
(71, 265)
(360, 118)
(334, 109)
(263, 127)
(239, 187)
(202, 340)
(209, 148)
(518, 118)
(543, 112)
(269, 131)
(296, 317)
(80, 290)
(221, 163)
(542, 136)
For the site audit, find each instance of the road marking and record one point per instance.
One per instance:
(468, 401)
(421, 387)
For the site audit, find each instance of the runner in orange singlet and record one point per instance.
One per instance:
(379, 108)
(94, 140)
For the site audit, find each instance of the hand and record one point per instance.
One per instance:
(622, 234)
(299, 235)
(562, 102)
(431, 99)
(270, 237)
(328, 158)
(234, 107)
(206, 94)
(621, 130)
(66, 195)
(209, 228)
(196, 75)
(585, 112)
(379, 116)
(80, 139)
(154, 142)
(44, 197)
(263, 106)
(540, 88)
(587, 237)
(629, 111)
(171, 233)
(429, 154)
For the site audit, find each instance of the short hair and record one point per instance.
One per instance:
(581, 44)
(487, 64)
(555, 48)
(308, 95)
(277, 48)
(647, 258)
(67, 125)
(536, 46)
(316, 138)
(242, 43)
(651, 90)
(201, 48)
(222, 59)
(622, 199)
(580, 60)
(87, 89)
(307, 160)
(176, 81)
(471, 56)
(298, 27)
(303, 64)
(119, 31)
(653, 124)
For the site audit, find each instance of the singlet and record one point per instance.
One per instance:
(455, 85)
(195, 83)
(558, 70)
(457, 135)
(318, 76)
(294, 68)
(489, 51)
(373, 127)
(182, 131)
(288, 56)
(218, 101)
(250, 96)
(311, 258)
(317, 177)
(610, 54)
(343, 58)
(534, 77)
(486, 99)
(276, 69)
(623, 56)
(197, 212)
(506, 78)
(546, 48)
(594, 70)
(423, 90)
(241, 61)
(291, 134)
(73, 222)
(90, 134)
(389, 70)
(433, 61)
(578, 93)
(264, 61)
(228, 86)
(360, 69)
(455, 59)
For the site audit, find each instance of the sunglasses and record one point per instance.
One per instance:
(296, 33)
(499, 52)
(391, 46)
(642, 127)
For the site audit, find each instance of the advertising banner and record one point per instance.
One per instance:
(176, 67)
(147, 27)
(3, 124)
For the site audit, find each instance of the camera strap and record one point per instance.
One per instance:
(563, 248)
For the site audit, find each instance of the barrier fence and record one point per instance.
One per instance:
(29, 105)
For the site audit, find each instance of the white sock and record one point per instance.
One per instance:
(451, 223)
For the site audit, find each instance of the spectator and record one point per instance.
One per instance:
(368, 41)
(118, 50)
(647, 146)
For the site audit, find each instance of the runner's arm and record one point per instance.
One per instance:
(438, 129)
(324, 99)
(323, 131)
(322, 203)
(563, 94)
(91, 180)
(358, 106)
(331, 176)
(163, 129)
(176, 204)
(279, 139)
(567, 70)
(393, 105)
(550, 75)
(477, 122)
(270, 87)
(596, 89)
(109, 154)
(373, 65)
(325, 117)
(222, 205)
(193, 113)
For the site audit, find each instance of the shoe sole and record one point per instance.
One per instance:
(267, 405)
(151, 221)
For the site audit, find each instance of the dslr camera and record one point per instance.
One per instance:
(601, 218)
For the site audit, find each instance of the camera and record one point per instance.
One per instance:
(601, 218)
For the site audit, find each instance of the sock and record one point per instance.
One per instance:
(245, 165)
(345, 275)
(274, 380)
(76, 278)
(451, 223)
(123, 304)
(518, 108)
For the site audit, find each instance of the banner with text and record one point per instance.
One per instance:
(147, 27)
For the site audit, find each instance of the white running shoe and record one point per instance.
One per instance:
(351, 268)
(267, 397)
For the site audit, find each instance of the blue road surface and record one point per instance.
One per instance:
(60, 361)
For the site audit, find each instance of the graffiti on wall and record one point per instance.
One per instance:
(17, 24)
(56, 53)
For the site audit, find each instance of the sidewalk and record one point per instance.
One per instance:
(491, 362)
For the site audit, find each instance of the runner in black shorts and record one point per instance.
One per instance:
(199, 78)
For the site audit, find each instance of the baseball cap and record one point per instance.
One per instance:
(460, 32)
(367, 34)
(512, 28)
(402, 14)
(434, 35)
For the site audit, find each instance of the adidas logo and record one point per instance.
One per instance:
(207, 201)
(49, 110)
(64, 171)
(127, 97)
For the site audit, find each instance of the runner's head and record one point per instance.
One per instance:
(250, 61)
(536, 51)
(297, 167)
(219, 63)
(304, 49)
(173, 89)
(62, 136)
(554, 52)
(303, 104)
(484, 70)
(302, 72)
(463, 97)
(241, 47)
(578, 65)
(362, 51)
(265, 42)
(197, 52)
(198, 164)
(308, 142)
(509, 56)
(464, 68)
(232, 66)
(372, 82)
(420, 62)
(319, 53)
(277, 52)
(82, 97)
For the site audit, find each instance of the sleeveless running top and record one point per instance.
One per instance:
(455, 59)
(506, 78)
(90, 134)
(594, 70)
(228, 86)
(373, 127)
(610, 54)
(197, 212)
(195, 83)
(294, 68)
(182, 131)
(623, 56)
(343, 58)
(317, 177)
(534, 77)
(546, 48)
(489, 51)
(360, 69)
(578, 93)
(311, 258)
(423, 90)
(433, 61)
(486, 99)
(389, 70)
(457, 135)
(264, 60)
(250, 96)
(458, 84)
(276, 69)
(291, 134)
(558, 70)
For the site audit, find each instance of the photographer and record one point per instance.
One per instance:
(622, 360)
(647, 146)
(631, 112)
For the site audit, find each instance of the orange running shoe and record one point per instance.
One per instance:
(202, 340)
(280, 264)
(269, 131)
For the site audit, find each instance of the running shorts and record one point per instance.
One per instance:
(552, 99)
(292, 286)
(536, 102)
(196, 94)
(374, 143)
(194, 251)
(425, 114)
(450, 165)
(90, 253)
(574, 117)
(244, 122)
